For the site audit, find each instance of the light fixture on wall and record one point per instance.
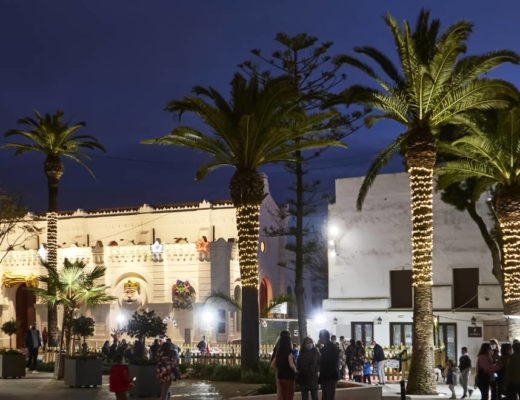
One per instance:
(473, 321)
(335, 321)
(379, 320)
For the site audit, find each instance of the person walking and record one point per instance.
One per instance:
(342, 355)
(496, 357)
(349, 356)
(512, 373)
(450, 377)
(283, 361)
(308, 366)
(465, 371)
(202, 345)
(379, 362)
(485, 370)
(32, 343)
(505, 353)
(119, 378)
(328, 366)
(45, 338)
(166, 368)
(358, 361)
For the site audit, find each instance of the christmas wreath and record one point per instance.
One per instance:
(182, 295)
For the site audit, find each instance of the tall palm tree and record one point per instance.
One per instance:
(490, 155)
(432, 87)
(245, 133)
(73, 287)
(56, 139)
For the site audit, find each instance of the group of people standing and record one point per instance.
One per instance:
(498, 370)
(167, 360)
(321, 365)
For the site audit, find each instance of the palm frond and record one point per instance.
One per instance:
(218, 296)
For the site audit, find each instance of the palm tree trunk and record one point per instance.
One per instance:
(508, 215)
(247, 192)
(53, 168)
(247, 223)
(420, 157)
(52, 256)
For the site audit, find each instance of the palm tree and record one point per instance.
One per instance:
(56, 139)
(433, 87)
(73, 287)
(247, 132)
(490, 155)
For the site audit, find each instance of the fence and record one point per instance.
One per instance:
(397, 367)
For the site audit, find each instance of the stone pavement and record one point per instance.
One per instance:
(41, 386)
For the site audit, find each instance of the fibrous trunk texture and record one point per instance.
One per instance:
(420, 158)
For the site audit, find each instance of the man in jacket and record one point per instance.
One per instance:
(378, 360)
(33, 342)
(329, 373)
(465, 369)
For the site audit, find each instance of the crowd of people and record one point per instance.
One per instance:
(322, 365)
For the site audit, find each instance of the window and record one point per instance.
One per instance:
(363, 331)
(465, 287)
(221, 326)
(401, 292)
(445, 335)
(400, 333)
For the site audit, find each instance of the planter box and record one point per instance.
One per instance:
(12, 365)
(83, 372)
(146, 383)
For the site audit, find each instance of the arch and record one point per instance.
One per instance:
(113, 243)
(238, 298)
(266, 293)
(25, 312)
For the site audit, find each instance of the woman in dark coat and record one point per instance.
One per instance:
(486, 367)
(284, 363)
(308, 366)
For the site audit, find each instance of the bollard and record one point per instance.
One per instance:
(403, 390)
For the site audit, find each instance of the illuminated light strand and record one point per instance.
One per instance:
(52, 239)
(511, 249)
(421, 180)
(248, 231)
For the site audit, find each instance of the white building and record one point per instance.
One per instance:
(370, 292)
(146, 250)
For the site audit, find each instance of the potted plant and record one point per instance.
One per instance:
(72, 287)
(83, 368)
(12, 362)
(145, 324)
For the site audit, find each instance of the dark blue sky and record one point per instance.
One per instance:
(115, 64)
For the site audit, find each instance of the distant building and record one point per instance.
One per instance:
(148, 250)
(370, 263)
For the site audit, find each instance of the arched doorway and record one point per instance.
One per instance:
(25, 312)
(266, 293)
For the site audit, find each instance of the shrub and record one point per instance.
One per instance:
(44, 366)
(226, 373)
(10, 328)
(267, 388)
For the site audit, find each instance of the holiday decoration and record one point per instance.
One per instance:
(183, 295)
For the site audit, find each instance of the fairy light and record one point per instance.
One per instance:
(247, 224)
(52, 238)
(511, 248)
(422, 225)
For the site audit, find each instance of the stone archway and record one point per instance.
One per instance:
(25, 312)
(266, 293)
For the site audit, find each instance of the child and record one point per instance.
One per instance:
(119, 378)
(366, 372)
(450, 377)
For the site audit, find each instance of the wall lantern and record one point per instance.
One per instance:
(473, 321)
(379, 320)
(335, 321)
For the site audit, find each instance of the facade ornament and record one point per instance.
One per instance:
(157, 251)
(203, 249)
(9, 279)
(42, 253)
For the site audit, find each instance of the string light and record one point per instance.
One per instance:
(52, 239)
(248, 228)
(422, 225)
(511, 248)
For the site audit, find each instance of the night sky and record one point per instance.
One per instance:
(116, 64)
